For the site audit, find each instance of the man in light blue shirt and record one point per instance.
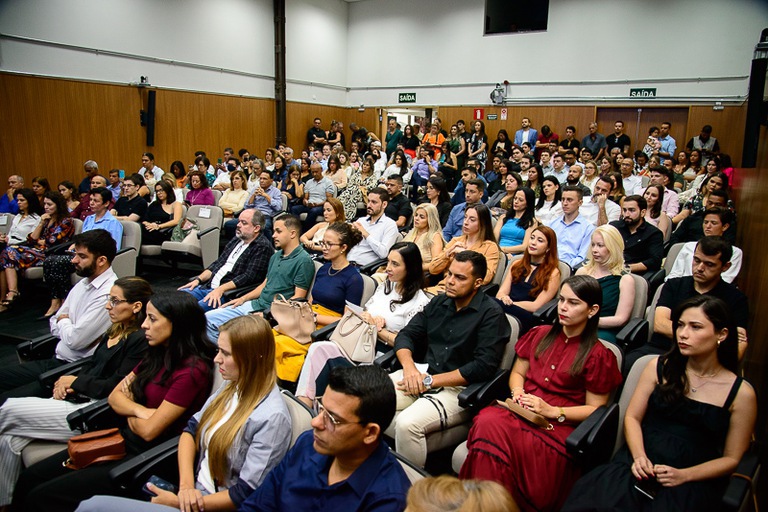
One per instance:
(668, 144)
(559, 169)
(574, 231)
(473, 192)
(101, 218)
(526, 133)
(266, 198)
(114, 184)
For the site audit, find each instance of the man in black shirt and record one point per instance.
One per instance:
(460, 338)
(316, 135)
(399, 207)
(643, 242)
(618, 139)
(711, 258)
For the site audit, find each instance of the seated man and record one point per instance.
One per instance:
(131, 206)
(343, 464)
(379, 231)
(474, 194)
(574, 177)
(574, 231)
(8, 200)
(398, 207)
(290, 273)
(710, 259)
(266, 198)
(83, 210)
(643, 242)
(715, 224)
(461, 335)
(422, 169)
(598, 209)
(115, 187)
(468, 174)
(316, 191)
(243, 262)
(691, 228)
(80, 321)
(633, 184)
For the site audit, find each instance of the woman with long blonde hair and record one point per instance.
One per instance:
(605, 262)
(241, 433)
(427, 233)
(449, 494)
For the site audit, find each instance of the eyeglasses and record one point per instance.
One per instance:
(323, 243)
(114, 301)
(329, 420)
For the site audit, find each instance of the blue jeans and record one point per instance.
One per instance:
(199, 293)
(312, 214)
(215, 318)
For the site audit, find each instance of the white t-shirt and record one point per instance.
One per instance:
(204, 478)
(398, 315)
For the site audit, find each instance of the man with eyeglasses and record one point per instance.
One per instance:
(131, 206)
(342, 464)
(80, 321)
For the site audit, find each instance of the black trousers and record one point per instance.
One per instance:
(21, 380)
(49, 486)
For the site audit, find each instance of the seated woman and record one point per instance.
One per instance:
(40, 186)
(55, 227)
(477, 235)
(696, 202)
(23, 420)
(532, 280)
(513, 229)
(178, 192)
(688, 424)
(534, 178)
(398, 166)
(294, 189)
(201, 193)
(395, 302)
(25, 221)
(427, 233)
(163, 214)
(333, 211)
(335, 283)
(563, 373)
(335, 173)
(357, 188)
(233, 199)
(654, 196)
(605, 262)
(449, 494)
(157, 399)
(179, 173)
(438, 196)
(549, 206)
(242, 432)
(502, 200)
(69, 191)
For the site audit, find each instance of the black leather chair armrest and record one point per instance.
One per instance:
(387, 361)
(593, 439)
(490, 289)
(57, 249)
(206, 231)
(372, 267)
(740, 486)
(324, 333)
(161, 460)
(238, 292)
(481, 394)
(634, 334)
(49, 378)
(546, 313)
(96, 416)
(41, 347)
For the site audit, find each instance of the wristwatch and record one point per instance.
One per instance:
(561, 418)
(427, 382)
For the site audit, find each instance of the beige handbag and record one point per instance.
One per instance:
(356, 338)
(294, 318)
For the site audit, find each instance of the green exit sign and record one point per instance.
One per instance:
(642, 93)
(406, 97)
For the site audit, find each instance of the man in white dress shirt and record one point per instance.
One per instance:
(379, 231)
(633, 185)
(598, 209)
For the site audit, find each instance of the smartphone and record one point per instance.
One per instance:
(648, 487)
(219, 160)
(122, 174)
(160, 483)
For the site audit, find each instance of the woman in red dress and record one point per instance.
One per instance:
(563, 373)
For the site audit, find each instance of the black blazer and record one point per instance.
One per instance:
(108, 367)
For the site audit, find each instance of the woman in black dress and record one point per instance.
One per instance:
(687, 426)
(163, 214)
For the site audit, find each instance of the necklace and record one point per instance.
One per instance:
(706, 378)
(337, 271)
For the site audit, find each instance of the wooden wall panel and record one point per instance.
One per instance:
(678, 116)
(50, 127)
(727, 127)
(557, 117)
(299, 117)
(751, 196)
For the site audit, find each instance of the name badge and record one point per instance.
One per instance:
(205, 213)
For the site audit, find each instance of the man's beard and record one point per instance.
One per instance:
(86, 271)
